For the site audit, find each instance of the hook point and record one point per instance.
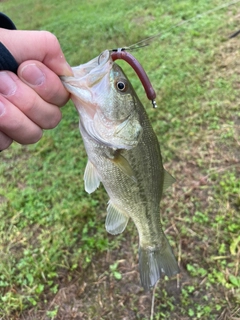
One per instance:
(154, 103)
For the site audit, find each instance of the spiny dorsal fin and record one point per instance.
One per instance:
(91, 179)
(116, 221)
(124, 166)
(168, 180)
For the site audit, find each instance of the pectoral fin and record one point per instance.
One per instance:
(116, 221)
(124, 166)
(91, 179)
(168, 180)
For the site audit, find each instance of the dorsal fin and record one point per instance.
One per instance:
(168, 180)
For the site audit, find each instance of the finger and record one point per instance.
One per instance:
(40, 45)
(44, 114)
(16, 125)
(5, 141)
(44, 82)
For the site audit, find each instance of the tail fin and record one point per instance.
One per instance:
(154, 262)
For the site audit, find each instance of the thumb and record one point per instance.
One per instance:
(36, 45)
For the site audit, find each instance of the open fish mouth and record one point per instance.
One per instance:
(98, 101)
(87, 81)
(88, 74)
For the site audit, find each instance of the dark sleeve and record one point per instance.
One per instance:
(6, 23)
(7, 61)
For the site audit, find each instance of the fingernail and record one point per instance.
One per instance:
(7, 84)
(32, 75)
(2, 109)
(67, 70)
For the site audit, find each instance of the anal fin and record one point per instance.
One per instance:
(116, 221)
(91, 179)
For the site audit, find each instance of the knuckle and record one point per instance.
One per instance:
(30, 104)
(23, 134)
(57, 95)
(53, 90)
(14, 125)
(50, 40)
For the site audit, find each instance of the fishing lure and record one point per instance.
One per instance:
(122, 54)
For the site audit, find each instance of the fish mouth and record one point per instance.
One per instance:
(88, 74)
(85, 82)
(90, 88)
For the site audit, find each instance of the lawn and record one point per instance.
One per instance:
(56, 259)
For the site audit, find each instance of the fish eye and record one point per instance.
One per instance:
(121, 85)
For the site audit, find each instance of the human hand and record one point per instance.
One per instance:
(30, 101)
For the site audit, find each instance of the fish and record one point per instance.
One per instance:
(124, 155)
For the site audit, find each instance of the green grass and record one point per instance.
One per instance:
(55, 254)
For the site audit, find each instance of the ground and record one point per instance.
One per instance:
(99, 295)
(57, 260)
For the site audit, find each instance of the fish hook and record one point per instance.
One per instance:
(122, 54)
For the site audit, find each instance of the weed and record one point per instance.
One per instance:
(116, 274)
(54, 250)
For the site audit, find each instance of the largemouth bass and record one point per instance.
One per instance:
(124, 154)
